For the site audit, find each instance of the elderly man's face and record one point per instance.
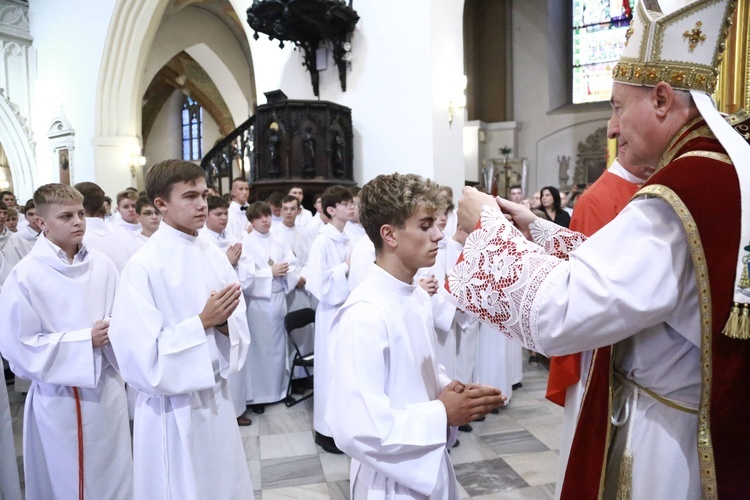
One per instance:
(637, 128)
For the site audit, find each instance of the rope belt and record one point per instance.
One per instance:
(79, 419)
(672, 403)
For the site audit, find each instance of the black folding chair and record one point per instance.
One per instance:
(293, 321)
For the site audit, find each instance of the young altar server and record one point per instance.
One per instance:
(179, 330)
(54, 311)
(20, 243)
(149, 219)
(392, 409)
(327, 270)
(128, 220)
(274, 275)
(215, 232)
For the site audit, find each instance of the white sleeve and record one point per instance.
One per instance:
(629, 276)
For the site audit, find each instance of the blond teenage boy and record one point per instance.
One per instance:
(54, 311)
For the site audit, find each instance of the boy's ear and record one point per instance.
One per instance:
(159, 204)
(388, 236)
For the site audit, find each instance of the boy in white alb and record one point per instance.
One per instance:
(353, 228)
(238, 225)
(299, 241)
(54, 311)
(391, 407)
(20, 243)
(128, 220)
(179, 330)
(116, 243)
(274, 276)
(149, 219)
(215, 232)
(327, 270)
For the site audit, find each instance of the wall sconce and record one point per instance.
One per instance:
(458, 102)
(137, 160)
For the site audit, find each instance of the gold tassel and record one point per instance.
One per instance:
(731, 329)
(744, 327)
(625, 481)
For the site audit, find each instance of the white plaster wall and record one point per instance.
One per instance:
(69, 40)
(544, 135)
(165, 139)
(394, 86)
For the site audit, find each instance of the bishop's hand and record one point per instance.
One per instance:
(470, 207)
(521, 216)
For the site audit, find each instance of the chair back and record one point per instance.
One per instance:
(298, 319)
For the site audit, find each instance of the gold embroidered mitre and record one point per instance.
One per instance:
(683, 48)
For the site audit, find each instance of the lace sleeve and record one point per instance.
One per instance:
(555, 240)
(499, 275)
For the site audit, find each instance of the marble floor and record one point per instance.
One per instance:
(511, 455)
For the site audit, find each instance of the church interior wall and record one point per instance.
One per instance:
(396, 86)
(404, 72)
(69, 52)
(546, 132)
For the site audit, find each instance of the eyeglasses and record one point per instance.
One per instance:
(348, 204)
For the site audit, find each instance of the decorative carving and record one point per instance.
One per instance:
(302, 142)
(14, 20)
(306, 24)
(22, 120)
(564, 162)
(592, 157)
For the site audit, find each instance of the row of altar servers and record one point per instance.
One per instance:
(469, 350)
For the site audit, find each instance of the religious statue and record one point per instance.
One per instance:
(272, 143)
(339, 148)
(308, 155)
(564, 162)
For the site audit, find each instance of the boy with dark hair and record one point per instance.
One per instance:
(304, 217)
(271, 274)
(327, 270)
(53, 330)
(394, 411)
(148, 217)
(4, 231)
(274, 201)
(114, 242)
(353, 228)
(237, 226)
(215, 232)
(179, 329)
(20, 244)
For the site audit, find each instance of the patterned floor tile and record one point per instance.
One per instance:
(295, 471)
(513, 443)
(488, 476)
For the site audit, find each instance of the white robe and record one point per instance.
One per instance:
(299, 298)
(362, 260)
(19, 245)
(632, 284)
(355, 232)
(5, 235)
(186, 442)
(326, 280)
(384, 411)
(268, 358)
(304, 217)
(117, 243)
(10, 487)
(237, 223)
(237, 381)
(4, 270)
(47, 309)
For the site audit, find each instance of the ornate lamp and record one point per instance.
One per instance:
(306, 23)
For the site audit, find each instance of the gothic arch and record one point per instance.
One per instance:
(131, 33)
(18, 148)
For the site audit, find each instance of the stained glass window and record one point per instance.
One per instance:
(192, 130)
(598, 38)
